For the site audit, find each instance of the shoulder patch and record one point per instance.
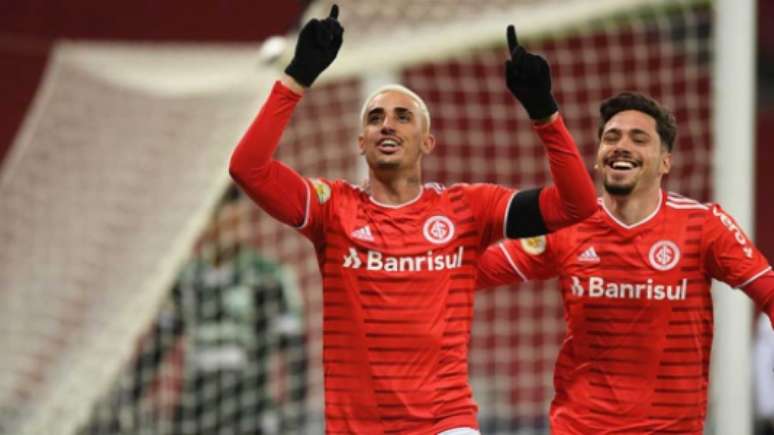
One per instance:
(321, 189)
(534, 245)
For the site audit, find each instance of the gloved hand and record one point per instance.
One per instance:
(318, 43)
(528, 76)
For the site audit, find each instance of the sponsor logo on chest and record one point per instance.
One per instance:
(662, 255)
(599, 287)
(437, 229)
(376, 261)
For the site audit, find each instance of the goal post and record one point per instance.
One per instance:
(731, 399)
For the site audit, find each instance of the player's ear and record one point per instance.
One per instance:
(428, 143)
(360, 144)
(666, 163)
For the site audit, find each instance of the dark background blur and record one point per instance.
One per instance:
(30, 27)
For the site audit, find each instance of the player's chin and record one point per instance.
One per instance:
(618, 188)
(386, 162)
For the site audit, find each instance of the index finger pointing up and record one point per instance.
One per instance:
(334, 11)
(513, 41)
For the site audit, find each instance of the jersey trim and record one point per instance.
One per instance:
(438, 187)
(696, 206)
(675, 200)
(409, 202)
(754, 277)
(511, 262)
(643, 221)
(305, 222)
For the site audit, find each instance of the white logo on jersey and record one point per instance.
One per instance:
(438, 230)
(589, 255)
(577, 288)
(664, 255)
(363, 234)
(352, 260)
(738, 235)
(597, 287)
(376, 261)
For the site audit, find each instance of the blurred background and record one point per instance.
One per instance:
(141, 293)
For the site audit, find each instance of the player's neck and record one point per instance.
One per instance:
(394, 190)
(634, 207)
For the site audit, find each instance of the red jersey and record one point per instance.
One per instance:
(638, 310)
(398, 281)
(398, 301)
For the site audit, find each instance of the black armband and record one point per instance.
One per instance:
(524, 218)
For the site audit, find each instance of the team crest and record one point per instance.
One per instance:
(534, 245)
(438, 230)
(321, 189)
(664, 255)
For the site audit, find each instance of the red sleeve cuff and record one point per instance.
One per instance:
(285, 91)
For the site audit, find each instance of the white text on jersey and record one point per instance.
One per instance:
(597, 287)
(375, 260)
(729, 223)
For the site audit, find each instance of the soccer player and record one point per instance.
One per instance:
(635, 280)
(398, 256)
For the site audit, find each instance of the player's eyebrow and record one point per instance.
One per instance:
(398, 111)
(403, 111)
(638, 131)
(632, 131)
(375, 110)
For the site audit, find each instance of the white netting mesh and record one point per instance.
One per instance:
(183, 377)
(101, 196)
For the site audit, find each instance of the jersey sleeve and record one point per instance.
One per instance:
(572, 197)
(275, 187)
(489, 203)
(321, 193)
(729, 255)
(512, 261)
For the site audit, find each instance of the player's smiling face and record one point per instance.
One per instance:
(631, 157)
(395, 133)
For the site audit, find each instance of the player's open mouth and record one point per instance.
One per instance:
(618, 164)
(388, 145)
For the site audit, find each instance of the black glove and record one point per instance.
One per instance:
(529, 79)
(317, 45)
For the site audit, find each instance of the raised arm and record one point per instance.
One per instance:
(572, 198)
(278, 189)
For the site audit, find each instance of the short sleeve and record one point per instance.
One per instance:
(730, 256)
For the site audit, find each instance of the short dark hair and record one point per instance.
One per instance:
(666, 126)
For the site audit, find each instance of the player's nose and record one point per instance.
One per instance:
(623, 143)
(387, 128)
